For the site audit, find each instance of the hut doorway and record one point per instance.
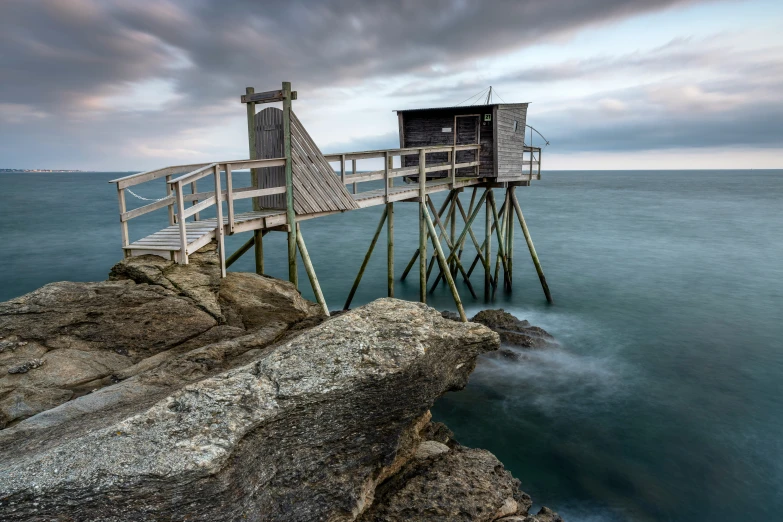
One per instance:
(467, 131)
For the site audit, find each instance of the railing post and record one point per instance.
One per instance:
(183, 231)
(531, 154)
(230, 199)
(342, 169)
(219, 231)
(289, 185)
(422, 229)
(453, 166)
(386, 176)
(123, 224)
(353, 171)
(170, 207)
(539, 163)
(194, 190)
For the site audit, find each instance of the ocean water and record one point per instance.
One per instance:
(664, 400)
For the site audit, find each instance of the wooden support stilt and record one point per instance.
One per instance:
(444, 265)
(501, 229)
(464, 218)
(415, 256)
(469, 223)
(501, 246)
(453, 229)
(455, 260)
(240, 251)
(319, 296)
(470, 231)
(532, 248)
(390, 249)
(366, 260)
(259, 251)
(422, 229)
(487, 245)
(293, 275)
(389, 182)
(480, 256)
(509, 238)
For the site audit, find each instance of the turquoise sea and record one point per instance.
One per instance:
(665, 399)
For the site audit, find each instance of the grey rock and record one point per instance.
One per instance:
(430, 448)
(462, 484)
(514, 331)
(65, 339)
(304, 430)
(26, 366)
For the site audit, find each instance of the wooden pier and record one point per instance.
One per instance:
(450, 149)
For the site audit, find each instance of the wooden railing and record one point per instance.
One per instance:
(532, 161)
(389, 172)
(176, 198)
(188, 175)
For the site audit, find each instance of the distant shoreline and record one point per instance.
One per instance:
(41, 170)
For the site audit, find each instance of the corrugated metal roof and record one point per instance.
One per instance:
(462, 107)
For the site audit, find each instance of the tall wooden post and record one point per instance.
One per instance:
(219, 230)
(422, 229)
(510, 237)
(532, 249)
(319, 296)
(453, 230)
(389, 231)
(124, 224)
(289, 185)
(254, 178)
(367, 257)
(487, 245)
(444, 266)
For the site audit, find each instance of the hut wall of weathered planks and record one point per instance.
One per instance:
(492, 126)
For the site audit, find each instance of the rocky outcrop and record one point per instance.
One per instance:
(65, 339)
(305, 431)
(169, 394)
(516, 335)
(514, 331)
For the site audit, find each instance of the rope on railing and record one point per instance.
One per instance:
(145, 199)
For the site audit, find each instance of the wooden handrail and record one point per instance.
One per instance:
(409, 151)
(141, 177)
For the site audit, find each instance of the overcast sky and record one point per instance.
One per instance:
(139, 84)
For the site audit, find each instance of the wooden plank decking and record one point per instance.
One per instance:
(199, 233)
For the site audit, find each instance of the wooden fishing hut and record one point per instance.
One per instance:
(450, 149)
(499, 129)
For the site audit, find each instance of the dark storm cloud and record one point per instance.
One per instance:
(55, 52)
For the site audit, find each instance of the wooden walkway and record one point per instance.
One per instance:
(200, 233)
(292, 169)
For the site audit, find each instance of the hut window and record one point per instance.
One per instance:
(446, 129)
(516, 123)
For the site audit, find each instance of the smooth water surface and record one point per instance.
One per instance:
(665, 400)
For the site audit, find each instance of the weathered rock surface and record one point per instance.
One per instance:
(513, 332)
(167, 393)
(456, 484)
(304, 431)
(68, 339)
